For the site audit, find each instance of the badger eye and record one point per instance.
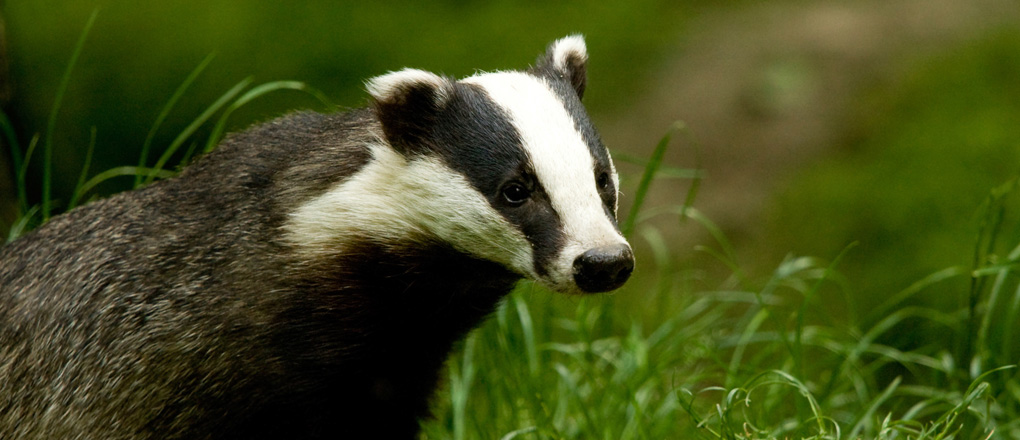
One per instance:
(602, 180)
(515, 193)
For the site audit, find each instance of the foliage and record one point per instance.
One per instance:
(744, 359)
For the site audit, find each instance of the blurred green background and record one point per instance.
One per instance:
(138, 53)
(815, 124)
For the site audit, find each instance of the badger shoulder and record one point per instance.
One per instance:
(181, 282)
(212, 229)
(285, 160)
(244, 187)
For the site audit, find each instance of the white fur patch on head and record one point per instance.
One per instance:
(562, 162)
(391, 86)
(394, 199)
(568, 47)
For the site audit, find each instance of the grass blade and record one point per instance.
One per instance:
(193, 127)
(798, 347)
(460, 388)
(144, 156)
(23, 172)
(896, 300)
(84, 170)
(17, 161)
(873, 407)
(120, 171)
(988, 232)
(517, 433)
(255, 92)
(646, 178)
(528, 329)
(19, 227)
(47, 183)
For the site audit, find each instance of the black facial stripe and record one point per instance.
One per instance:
(612, 216)
(475, 137)
(542, 226)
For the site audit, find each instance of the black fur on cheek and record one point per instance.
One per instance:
(476, 138)
(607, 192)
(611, 215)
(542, 227)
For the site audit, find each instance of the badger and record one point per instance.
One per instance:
(309, 277)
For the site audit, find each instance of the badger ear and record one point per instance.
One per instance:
(566, 58)
(407, 103)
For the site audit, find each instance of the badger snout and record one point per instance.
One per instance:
(603, 268)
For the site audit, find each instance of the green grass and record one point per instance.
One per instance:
(683, 352)
(732, 357)
(739, 359)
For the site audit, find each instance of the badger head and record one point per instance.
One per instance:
(503, 166)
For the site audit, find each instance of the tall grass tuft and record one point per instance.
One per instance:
(32, 215)
(47, 191)
(742, 358)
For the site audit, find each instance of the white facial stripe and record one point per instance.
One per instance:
(393, 199)
(562, 162)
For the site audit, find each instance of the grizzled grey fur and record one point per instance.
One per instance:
(104, 312)
(183, 311)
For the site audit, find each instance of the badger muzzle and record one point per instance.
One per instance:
(603, 268)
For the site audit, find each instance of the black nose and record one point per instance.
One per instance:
(603, 268)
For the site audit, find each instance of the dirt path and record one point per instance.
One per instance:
(765, 88)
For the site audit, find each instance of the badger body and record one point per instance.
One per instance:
(308, 278)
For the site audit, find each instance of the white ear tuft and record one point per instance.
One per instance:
(569, 51)
(407, 103)
(565, 59)
(394, 86)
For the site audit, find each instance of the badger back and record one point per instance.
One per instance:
(505, 167)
